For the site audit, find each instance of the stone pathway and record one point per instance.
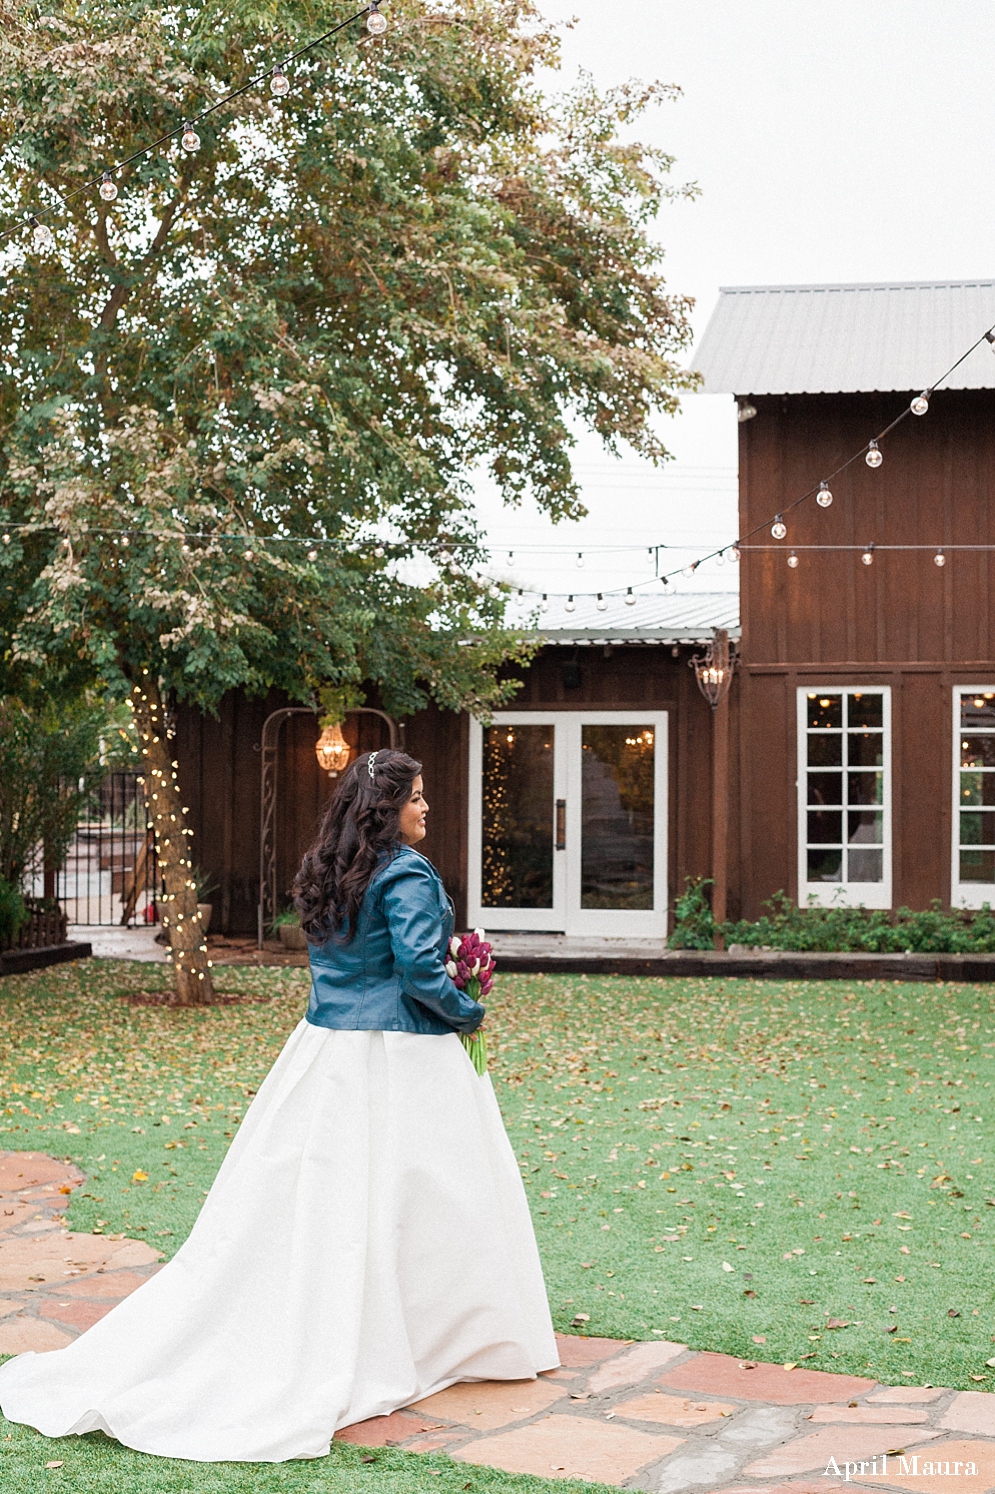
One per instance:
(53, 1283)
(652, 1416)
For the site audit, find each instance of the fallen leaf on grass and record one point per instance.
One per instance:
(726, 1266)
(139, 1177)
(56, 1463)
(759, 1338)
(952, 1312)
(838, 1323)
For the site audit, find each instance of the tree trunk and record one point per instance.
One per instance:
(188, 946)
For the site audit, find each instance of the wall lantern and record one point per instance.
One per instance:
(333, 751)
(714, 668)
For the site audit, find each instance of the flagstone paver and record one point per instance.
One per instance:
(654, 1416)
(933, 1468)
(55, 1283)
(971, 1411)
(845, 1444)
(573, 1446)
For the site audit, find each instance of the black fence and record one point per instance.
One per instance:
(110, 874)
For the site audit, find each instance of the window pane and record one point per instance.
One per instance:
(825, 788)
(977, 788)
(866, 828)
(978, 710)
(977, 752)
(616, 867)
(864, 710)
(825, 752)
(865, 866)
(864, 788)
(977, 866)
(825, 866)
(825, 828)
(517, 819)
(977, 829)
(825, 710)
(865, 748)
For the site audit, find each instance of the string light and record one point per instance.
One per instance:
(990, 338)
(630, 600)
(602, 604)
(108, 188)
(939, 558)
(868, 555)
(376, 24)
(823, 497)
(734, 554)
(580, 560)
(43, 238)
(279, 83)
(511, 557)
(190, 140)
(778, 529)
(920, 404)
(570, 605)
(793, 561)
(312, 554)
(378, 551)
(544, 604)
(6, 540)
(873, 457)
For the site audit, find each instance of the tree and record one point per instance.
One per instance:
(244, 401)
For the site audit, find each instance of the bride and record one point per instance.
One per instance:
(367, 1240)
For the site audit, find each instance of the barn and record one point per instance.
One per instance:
(853, 758)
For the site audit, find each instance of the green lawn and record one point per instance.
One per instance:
(711, 1161)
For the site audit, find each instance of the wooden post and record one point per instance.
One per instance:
(720, 809)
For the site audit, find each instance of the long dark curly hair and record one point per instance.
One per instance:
(360, 824)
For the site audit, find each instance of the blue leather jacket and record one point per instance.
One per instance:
(392, 977)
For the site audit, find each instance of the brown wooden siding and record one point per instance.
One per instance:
(902, 622)
(220, 771)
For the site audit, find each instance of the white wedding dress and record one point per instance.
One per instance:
(367, 1241)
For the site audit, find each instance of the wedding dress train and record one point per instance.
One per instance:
(366, 1242)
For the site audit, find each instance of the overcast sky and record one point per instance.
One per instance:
(848, 142)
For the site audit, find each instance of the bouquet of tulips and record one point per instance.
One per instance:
(471, 967)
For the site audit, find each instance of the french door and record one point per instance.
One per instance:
(568, 822)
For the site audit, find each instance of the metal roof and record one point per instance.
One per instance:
(656, 617)
(831, 339)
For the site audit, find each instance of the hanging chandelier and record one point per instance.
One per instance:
(714, 668)
(333, 751)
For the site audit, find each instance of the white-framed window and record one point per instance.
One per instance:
(844, 795)
(972, 877)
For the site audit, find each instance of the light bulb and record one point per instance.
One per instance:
(823, 497)
(125, 541)
(778, 529)
(602, 604)
(939, 558)
(190, 140)
(720, 558)
(569, 604)
(630, 600)
(107, 188)
(990, 338)
(868, 555)
(378, 551)
(580, 561)
(734, 554)
(688, 571)
(920, 404)
(250, 555)
(6, 539)
(793, 561)
(511, 557)
(873, 457)
(279, 83)
(312, 555)
(375, 23)
(43, 238)
(544, 604)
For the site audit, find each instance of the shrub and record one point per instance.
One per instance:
(867, 930)
(13, 912)
(694, 924)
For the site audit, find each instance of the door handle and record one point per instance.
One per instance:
(561, 824)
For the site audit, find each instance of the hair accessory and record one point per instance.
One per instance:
(370, 763)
